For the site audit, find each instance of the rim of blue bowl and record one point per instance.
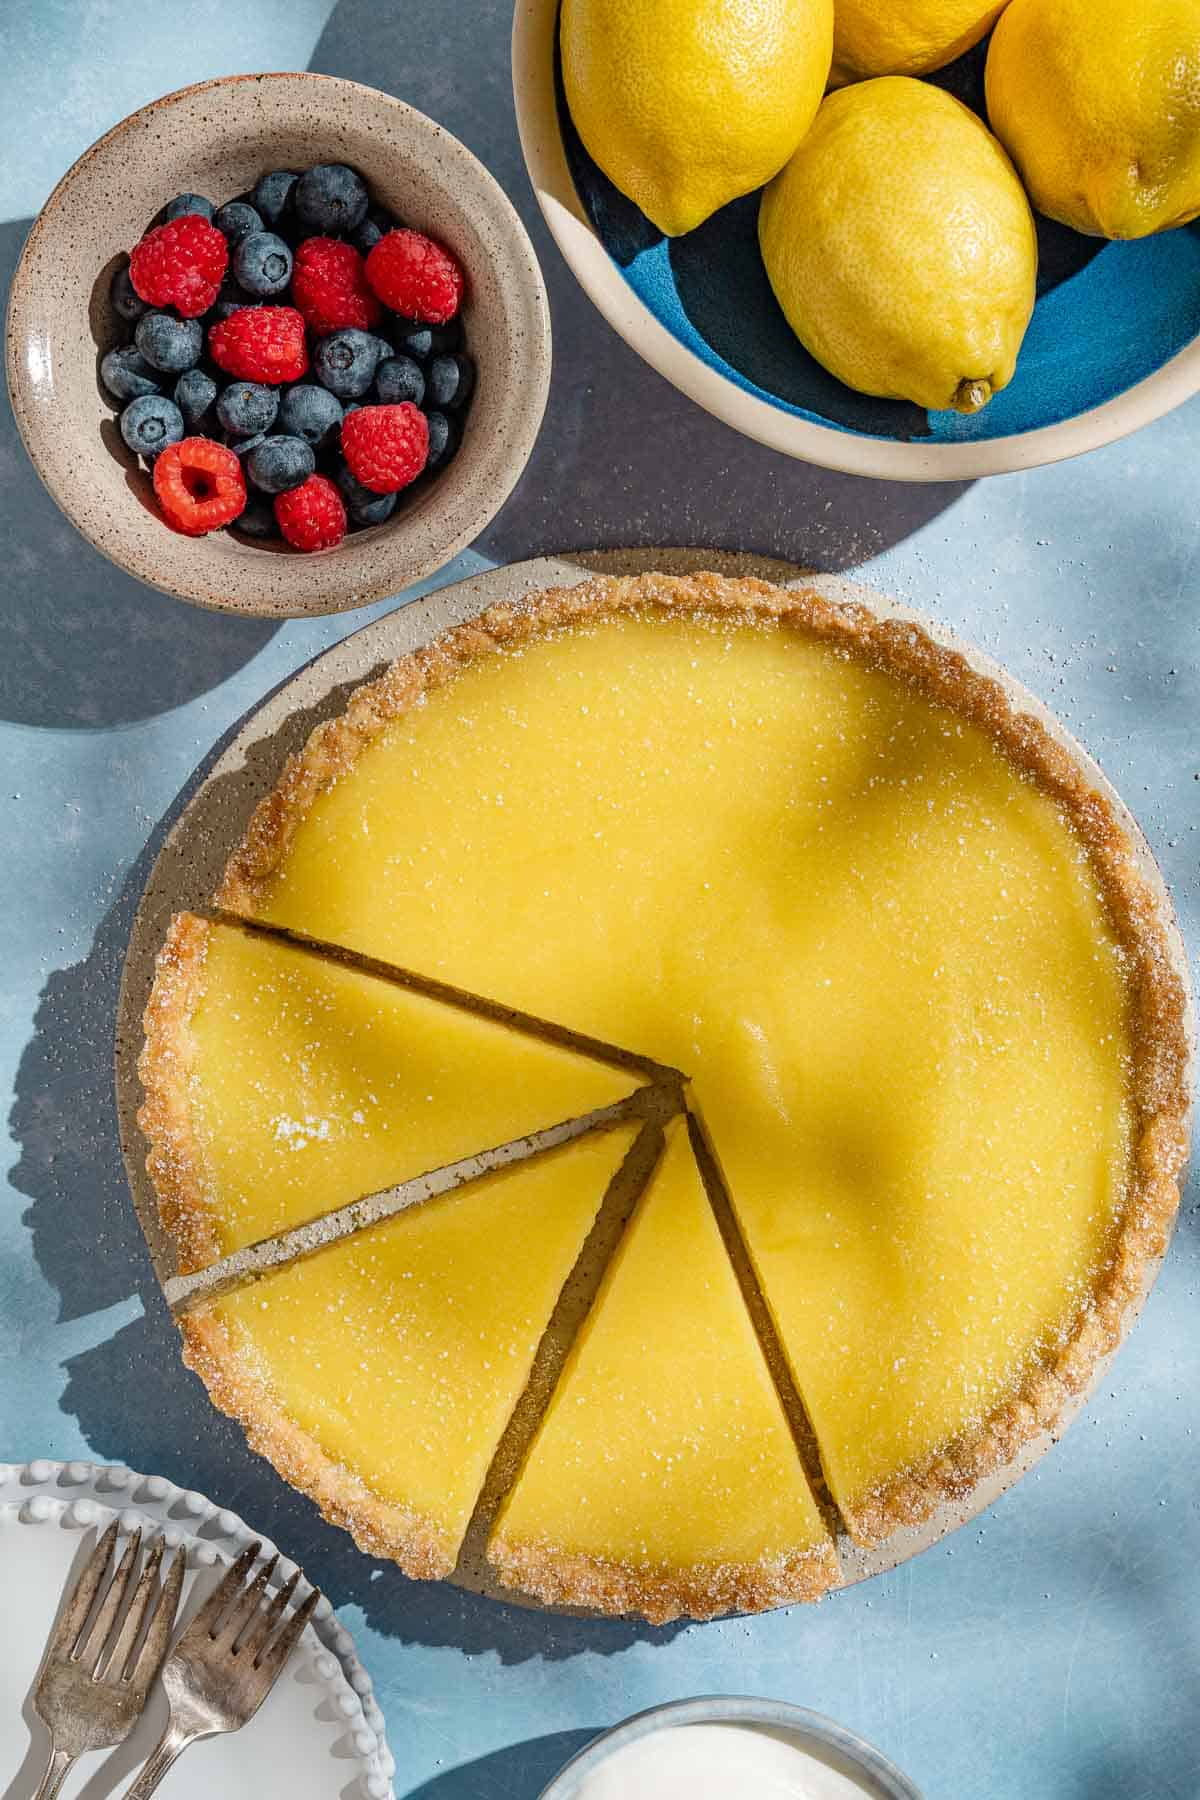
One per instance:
(882, 1779)
(533, 39)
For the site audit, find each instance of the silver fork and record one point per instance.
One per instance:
(226, 1662)
(95, 1678)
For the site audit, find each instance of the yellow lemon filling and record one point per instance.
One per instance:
(401, 1352)
(877, 947)
(309, 1084)
(665, 1469)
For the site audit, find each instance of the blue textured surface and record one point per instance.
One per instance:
(1050, 1652)
(1106, 317)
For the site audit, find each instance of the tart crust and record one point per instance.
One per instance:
(1158, 1077)
(166, 1066)
(563, 1578)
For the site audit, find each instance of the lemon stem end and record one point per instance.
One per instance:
(972, 396)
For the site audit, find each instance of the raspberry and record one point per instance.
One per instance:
(386, 446)
(180, 264)
(260, 343)
(312, 516)
(329, 286)
(416, 277)
(200, 486)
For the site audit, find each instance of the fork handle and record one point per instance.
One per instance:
(56, 1769)
(173, 1742)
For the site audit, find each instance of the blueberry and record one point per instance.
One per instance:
(272, 194)
(127, 302)
(309, 412)
(280, 463)
(194, 394)
(247, 407)
(188, 203)
(150, 423)
(414, 340)
(243, 446)
(262, 263)
(399, 378)
(345, 362)
(169, 343)
(236, 220)
(331, 199)
(386, 350)
(423, 341)
(363, 506)
(444, 439)
(376, 225)
(450, 380)
(126, 374)
(257, 518)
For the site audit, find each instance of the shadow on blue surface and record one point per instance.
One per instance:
(601, 475)
(87, 646)
(88, 1245)
(520, 1770)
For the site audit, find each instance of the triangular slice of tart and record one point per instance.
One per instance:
(665, 1478)
(379, 1373)
(280, 1085)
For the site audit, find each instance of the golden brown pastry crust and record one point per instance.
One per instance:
(564, 1578)
(1157, 997)
(174, 1162)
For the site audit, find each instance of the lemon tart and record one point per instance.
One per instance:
(665, 1478)
(280, 1086)
(885, 926)
(379, 1373)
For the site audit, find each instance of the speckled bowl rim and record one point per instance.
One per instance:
(885, 459)
(810, 1728)
(369, 565)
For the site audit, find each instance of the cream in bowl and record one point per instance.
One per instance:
(726, 1749)
(718, 1762)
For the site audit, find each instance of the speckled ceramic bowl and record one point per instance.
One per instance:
(1114, 341)
(839, 1749)
(217, 139)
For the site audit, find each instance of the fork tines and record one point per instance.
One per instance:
(239, 1621)
(79, 1637)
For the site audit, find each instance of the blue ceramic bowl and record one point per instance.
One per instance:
(1114, 341)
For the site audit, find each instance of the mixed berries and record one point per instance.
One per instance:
(296, 359)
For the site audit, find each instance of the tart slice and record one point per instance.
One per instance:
(280, 1085)
(379, 1373)
(665, 1478)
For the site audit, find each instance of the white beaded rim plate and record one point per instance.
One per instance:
(320, 1732)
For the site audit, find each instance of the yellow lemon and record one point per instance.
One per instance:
(905, 37)
(901, 247)
(685, 104)
(1098, 103)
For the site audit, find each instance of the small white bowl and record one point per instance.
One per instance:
(840, 1749)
